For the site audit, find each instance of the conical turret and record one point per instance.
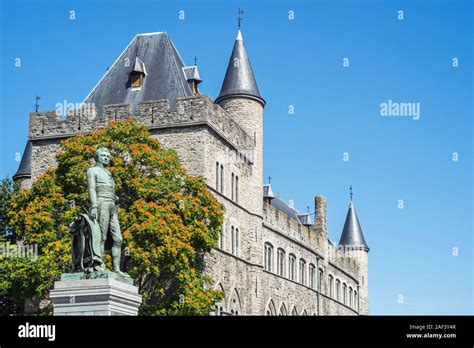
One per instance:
(239, 80)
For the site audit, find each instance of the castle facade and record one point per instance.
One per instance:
(271, 259)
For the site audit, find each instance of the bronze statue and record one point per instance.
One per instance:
(90, 231)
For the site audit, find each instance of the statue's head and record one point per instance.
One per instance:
(103, 156)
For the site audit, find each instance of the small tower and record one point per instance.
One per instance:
(23, 174)
(241, 99)
(353, 244)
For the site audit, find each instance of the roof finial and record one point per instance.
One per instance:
(195, 60)
(269, 179)
(239, 17)
(351, 193)
(37, 99)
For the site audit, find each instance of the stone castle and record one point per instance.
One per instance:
(271, 259)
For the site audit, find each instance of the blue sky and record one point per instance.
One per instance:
(300, 62)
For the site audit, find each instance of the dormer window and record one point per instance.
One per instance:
(192, 76)
(137, 75)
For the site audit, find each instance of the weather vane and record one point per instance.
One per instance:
(195, 60)
(269, 179)
(37, 99)
(351, 193)
(239, 17)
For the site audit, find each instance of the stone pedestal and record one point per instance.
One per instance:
(98, 293)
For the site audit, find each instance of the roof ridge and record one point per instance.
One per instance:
(169, 43)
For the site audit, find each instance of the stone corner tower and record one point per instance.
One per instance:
(353, 243)
(241, 99)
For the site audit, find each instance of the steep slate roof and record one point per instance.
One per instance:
(239, 80)
(162, 64)
(24, 169)
(352, 235)
(284, 207)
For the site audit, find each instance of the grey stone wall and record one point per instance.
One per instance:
(202, 134)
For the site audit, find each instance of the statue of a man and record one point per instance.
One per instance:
(101, 187)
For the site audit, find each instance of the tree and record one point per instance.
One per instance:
(7, 188)
(169, 220)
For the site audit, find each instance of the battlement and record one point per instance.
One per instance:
(188, 111)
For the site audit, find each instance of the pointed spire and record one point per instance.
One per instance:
(24, 169)
(239, 80)
(352, 235)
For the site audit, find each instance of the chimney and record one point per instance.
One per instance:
(320, 214)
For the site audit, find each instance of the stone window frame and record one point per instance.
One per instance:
(235, 240)
(283, 311)
(281, 256)
(222, 179)
(344, 293)
(270, 308)
(217, 175)
(220, 307)
(311, 272)
(331, 286)
(292, 266)
(235, 305)
(302, 271)
(268, 257)
(294, 311)
(350, 296)
(356, 300)
(338, 290)
(320, 279)
(232, 186)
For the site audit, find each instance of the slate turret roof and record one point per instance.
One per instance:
(24, 170)
(239, 80)
(352, 235)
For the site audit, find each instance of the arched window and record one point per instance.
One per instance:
(269, 257)
(222, 178)
(283, 310)
(320, 279)
(311, 275)
(232, 187)
(237, 189)
(219, 307)
(356, 301)
(234, 303)
(331, 286)
(237, 242)
(270, 308)
(232, 239)
(338, 290)
(217, 176)
(302, 271)
(350, 296)
(344, 293)
(281, 262)
(304, 312)
(294, 311)
(292, 266)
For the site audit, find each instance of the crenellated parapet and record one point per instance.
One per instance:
(188, 111)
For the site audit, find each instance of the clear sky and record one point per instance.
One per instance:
(299, 63)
